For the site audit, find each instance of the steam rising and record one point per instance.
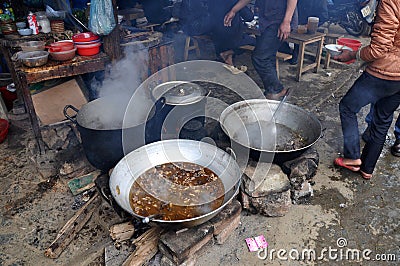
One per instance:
(124, 77)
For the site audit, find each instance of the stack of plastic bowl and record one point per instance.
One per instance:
(33, 46)
(62, 50)
(87, 43)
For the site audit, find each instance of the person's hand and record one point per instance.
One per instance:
(228, 18)
(284, 30)
(345, 56)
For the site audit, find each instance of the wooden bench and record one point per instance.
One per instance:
(279, 55)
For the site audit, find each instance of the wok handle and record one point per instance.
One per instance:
(72, 118)
(231, 152)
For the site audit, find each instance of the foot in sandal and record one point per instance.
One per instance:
(365, 175)
(352, 165)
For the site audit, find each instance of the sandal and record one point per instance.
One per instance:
(235, 70)
(339, 162)
(365, 175)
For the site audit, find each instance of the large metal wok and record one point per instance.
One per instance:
(106, 131)
(234, 121)
(169, 151)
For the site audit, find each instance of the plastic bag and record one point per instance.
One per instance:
(101, 19)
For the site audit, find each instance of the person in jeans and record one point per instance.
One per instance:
(379, 84)
(274, 22)
(395, 149)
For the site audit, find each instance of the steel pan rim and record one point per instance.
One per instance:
(232, 108)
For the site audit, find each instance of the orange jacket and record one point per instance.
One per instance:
(383, 53)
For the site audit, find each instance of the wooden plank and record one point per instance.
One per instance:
(23, 86)
(3, 109)
(283, 56)
(122, 232)
(54, 69)
(72, 228)
(146, 247)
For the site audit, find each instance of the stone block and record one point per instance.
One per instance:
(271, 180)
(304, 195)
(180, 246)
(302, 168)
(273, 205)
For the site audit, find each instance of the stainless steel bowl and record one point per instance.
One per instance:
(34, 58)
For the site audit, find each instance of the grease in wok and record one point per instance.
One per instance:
(172, 151)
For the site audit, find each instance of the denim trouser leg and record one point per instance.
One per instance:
(381, 121)
(397, 128)
(368, 120)
(264, 59)
(367, 89)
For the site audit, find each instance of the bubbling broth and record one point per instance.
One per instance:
(176, 191)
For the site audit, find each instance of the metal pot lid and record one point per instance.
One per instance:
(179, 92)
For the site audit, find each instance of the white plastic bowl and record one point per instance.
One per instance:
(336, 49)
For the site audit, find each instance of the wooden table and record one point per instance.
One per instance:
(302, 40)
(52, 70)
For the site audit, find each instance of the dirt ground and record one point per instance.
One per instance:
(346, 212)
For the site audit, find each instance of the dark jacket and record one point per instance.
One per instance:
(312, 8)
(271, 12)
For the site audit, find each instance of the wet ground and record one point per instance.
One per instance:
(346, 218)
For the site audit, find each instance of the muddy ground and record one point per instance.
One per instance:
(346, 211)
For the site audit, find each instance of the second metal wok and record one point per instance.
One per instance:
(236, 118)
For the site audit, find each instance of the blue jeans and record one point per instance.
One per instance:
(365, 90)
(264, 59)
(368, 120)
(381, 120)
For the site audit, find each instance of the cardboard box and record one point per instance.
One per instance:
(49, 104)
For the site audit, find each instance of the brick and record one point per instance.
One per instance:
(227, 231)
(182, 246)
(165, 261)
(226, 216)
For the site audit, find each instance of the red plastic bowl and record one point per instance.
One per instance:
(4, 125)
(61, 46)
(85, 37)
(89, 49)
(353, 44)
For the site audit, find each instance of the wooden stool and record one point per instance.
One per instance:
(279, 55)
(194, 45)
(189, 47)
(330, 39)
(302, 40)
